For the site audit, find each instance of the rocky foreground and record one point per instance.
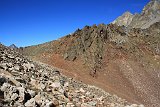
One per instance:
(24, 83)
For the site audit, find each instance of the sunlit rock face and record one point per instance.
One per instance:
(125, 19)
(149, 15)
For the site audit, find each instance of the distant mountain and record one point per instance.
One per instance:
(150, 14)
(13, 46)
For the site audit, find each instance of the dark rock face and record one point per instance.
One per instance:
(149, 16)
(88, 43)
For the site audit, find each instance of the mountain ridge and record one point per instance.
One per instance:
(149, 15)
(105, 51)
(120, 57)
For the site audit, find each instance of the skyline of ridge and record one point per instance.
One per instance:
(33, 22)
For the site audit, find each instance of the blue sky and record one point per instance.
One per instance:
(31, 22)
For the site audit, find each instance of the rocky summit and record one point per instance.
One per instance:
(149, 15)
(124, 20)
(24, 83)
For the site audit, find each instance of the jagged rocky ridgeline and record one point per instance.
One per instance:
(149, 15)
(24, 83)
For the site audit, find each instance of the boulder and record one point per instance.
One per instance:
(31, 92)
(21, 94)
(14, 96)
(2, 80)
(82, 90)
(5, 87)
(50, 104)
(31, 103)
(55, 85)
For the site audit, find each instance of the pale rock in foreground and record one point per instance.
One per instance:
(35, 84)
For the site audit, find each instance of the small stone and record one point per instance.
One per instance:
(33, 82)
(9, 65)
(82, 90)
(3, 65)
(38, 99)
(50, 104)
(42, 86)
(18, 104)
(66, 94)
(66, 84)
(141, 105)
(55, 85)
(61, 90)
(92, 103)
(28, 66)
(134, 105)
(100, 98)
(112, 105)
(78, 104)
(31, 92)
(85, 105)
(21, 94)
(30, 103)
(14, 96)
(48, 90)
(88, 93)
(11, 56)
(69, 105)
(16, 68)
(2, 80)
(5, 86)
(55, 102)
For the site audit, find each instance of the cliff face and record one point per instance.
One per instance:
(150, 14)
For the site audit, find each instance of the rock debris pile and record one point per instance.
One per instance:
(24, 83)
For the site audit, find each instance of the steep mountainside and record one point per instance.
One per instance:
(122, 58)
(24, 83)
(149, 15)
(123, 61)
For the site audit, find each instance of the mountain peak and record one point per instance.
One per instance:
(125, 19)
(127, 13)
(156, 0)
(149, 15)
(13, 46)
(152, 6)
